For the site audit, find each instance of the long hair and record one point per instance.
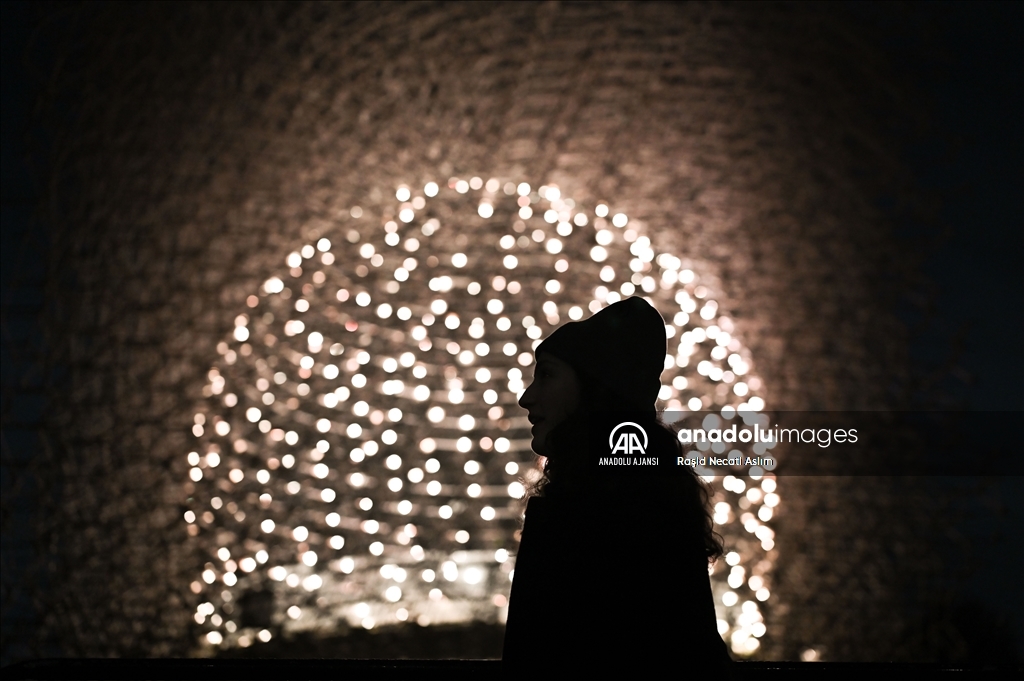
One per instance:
(675, 492)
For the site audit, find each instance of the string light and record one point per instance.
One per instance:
(362, 419)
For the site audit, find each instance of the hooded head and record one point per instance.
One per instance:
(620, 351)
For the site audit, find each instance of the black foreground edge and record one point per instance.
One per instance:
(450, 670)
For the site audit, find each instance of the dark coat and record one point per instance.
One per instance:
(618, 589)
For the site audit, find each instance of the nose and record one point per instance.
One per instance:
(526, 400)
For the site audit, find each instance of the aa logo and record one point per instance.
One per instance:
(628, 438)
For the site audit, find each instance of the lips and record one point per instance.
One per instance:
(537, 422)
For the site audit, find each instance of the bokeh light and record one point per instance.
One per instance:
(360, 455)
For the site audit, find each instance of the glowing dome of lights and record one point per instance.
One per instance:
(361, 456)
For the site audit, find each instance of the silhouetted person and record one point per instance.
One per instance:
(612, 569)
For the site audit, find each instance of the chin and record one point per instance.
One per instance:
(537, 444)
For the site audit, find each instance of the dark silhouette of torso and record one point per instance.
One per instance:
(612, 576)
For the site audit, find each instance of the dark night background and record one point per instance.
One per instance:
(964, 63)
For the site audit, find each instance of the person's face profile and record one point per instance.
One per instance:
(553, 395)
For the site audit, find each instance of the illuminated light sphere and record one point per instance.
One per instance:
(376, 410)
